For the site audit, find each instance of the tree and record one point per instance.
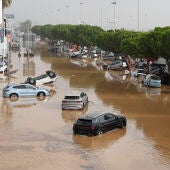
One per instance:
(6, 3)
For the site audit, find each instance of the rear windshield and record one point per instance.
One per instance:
(84, 121)
(71, 97)
(155, 78)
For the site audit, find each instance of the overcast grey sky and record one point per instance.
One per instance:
(152, 13)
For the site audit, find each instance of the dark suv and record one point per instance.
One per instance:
(94, 124)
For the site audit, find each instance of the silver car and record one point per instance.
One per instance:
(117, 65)
(24, 90)
(75, 100)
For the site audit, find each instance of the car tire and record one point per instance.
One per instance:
(51, 74)
(99, 132)
(121, 125)
(74, 132)
(5, 71)
(31, 81)
(13, 97)
(41, 96)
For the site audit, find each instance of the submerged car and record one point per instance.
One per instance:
(24, 90)
(48, 77)
(75, 100)
(138, 72)
(94, 124)
(152, 80)
(117, 65)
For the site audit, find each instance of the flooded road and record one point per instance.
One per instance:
(37, 135)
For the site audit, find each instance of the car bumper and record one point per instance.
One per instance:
(71, 107)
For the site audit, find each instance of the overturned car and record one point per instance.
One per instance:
(48, 77)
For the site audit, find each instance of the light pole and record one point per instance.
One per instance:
(138, 16)
(80, 11)
(114, 15)
(58, 16)
(67, 8)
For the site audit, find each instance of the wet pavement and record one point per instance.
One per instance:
(37, 135)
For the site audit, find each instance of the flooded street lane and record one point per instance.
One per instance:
(37, 135)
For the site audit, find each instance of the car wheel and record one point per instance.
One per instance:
(41, 96)
(99, 132)
(32, 81)
(124, 123)
(5, 71)
(121, 68)
(121, 125)
(74, 132)
(51, 74)
(14, 97)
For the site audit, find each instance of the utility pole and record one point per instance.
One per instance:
(114, 15)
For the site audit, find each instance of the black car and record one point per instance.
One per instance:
(94, 124)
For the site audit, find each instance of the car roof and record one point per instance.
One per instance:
(92, 115)
(12, 85)
(74, 93)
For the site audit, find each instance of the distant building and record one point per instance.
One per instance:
(29, 40)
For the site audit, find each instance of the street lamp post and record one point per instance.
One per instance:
(80, 12)
(114, 15)
(67, 8)
(138, 16)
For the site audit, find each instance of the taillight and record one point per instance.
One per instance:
(90, 127)
(85, 127)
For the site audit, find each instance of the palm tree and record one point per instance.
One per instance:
(6, 3)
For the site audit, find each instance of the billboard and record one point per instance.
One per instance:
(9, 16)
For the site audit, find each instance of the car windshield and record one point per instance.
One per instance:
(155, 78)
(71, 97)
(84, 121)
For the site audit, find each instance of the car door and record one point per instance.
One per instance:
(30, 90)
(21, 90)
(111, 121)
(102, 123)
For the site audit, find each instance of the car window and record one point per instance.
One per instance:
(108, 116)
(84, 121)
(101, 118)
(71, 97)
(29, 87)
(19, 87)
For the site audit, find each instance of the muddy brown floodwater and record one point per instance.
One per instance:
(37, 135)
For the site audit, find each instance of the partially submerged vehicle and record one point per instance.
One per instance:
(117, 65)
(161, 70)
(14, 91)
(48, 77)
(75, 100)
(94, 124)
(138, 72)
(152, 80)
